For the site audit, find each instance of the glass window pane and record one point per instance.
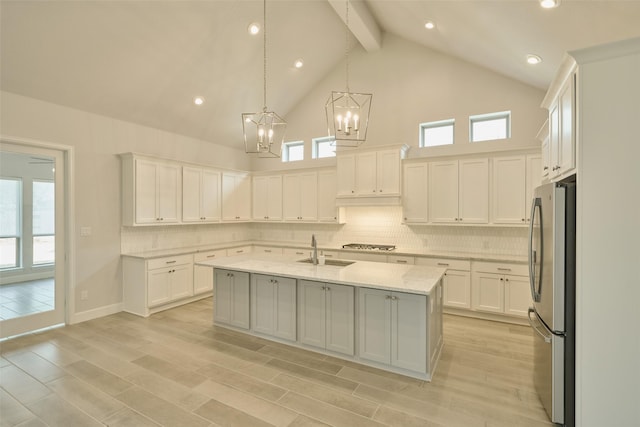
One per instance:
(296, 152)
(324, 147)
(490, 129)
(8, 252)
(10, 207)
(44, 250)
(441, 135)
(43, 208)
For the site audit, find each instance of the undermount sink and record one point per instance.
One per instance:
(334, 262)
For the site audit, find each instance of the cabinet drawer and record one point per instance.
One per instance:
(267, 250)
(399, 259)
(450, 264)
(209, 255)
(296, 252)
(152, 264)
(239, 250)
(501, 268)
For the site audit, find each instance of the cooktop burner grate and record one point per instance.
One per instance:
(369, 246)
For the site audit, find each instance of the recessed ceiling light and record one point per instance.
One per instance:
(299, 63)
(198, 100)
(429, 25)
(533, 59)
(254, 28)
(549, 4)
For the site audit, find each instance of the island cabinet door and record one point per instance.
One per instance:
(340, 318)
(409, 331)
(231, 302)
(311, 313)
(374, 338)
(273, 306)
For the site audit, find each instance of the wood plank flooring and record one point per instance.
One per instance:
(176, 369)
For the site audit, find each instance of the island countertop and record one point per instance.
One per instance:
(413, 279)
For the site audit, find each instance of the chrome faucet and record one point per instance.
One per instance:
(314, 245)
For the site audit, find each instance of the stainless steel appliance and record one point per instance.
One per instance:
(552, 237)
(369, 246)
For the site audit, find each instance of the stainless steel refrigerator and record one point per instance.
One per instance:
(552, 242)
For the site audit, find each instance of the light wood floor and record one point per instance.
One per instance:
(175, 369)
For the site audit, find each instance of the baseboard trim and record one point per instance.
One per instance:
(95, 313)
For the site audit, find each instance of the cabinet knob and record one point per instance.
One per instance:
(522, 220)
(353, 191)
(546, 168)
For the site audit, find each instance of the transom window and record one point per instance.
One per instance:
(293, 151)
(433, 134)
(488, 127)
(323, 147)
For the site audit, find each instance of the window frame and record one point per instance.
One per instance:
(315, 142)
(18, 231)
(479, 118)
(286, 148)
(433, 125)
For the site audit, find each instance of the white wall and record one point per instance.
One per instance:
(96, 141)
(412, 84)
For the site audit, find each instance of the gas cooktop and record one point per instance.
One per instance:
(368, 246)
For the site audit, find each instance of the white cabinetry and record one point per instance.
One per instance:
(393, 328)
(370, 174)
(561, 104)
(500, 288)
(231, 302)
(203, 275)
(456, 282)
(327, 192)
(267, 250)
(267, 198)
(459, 191)
(200, 195)
(150, 191)
(156, 284)
(534, 179)
(236, 197)
(300, 196)
(326, 316)
(414, 193)
(514, 179)
(273, 306)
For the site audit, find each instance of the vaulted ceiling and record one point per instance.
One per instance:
(144, 61)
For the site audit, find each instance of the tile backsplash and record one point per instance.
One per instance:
(381, 225)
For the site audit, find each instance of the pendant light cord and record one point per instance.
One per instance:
(264, 51)
(346, 37)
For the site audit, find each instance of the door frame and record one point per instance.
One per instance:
(68, 180)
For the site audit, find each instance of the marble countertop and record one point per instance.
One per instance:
(394, 277)
(399, 251)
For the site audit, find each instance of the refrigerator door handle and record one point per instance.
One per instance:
(546, 338)
(533, 255)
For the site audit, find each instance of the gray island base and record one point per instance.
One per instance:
(388, 316)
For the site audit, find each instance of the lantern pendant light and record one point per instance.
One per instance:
(263, 131)
(348, 112)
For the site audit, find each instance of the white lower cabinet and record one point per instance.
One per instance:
(156, 284)
(273, 306)
(393, 328)
(500, 288)
(203, 275)
(456, 282)
(326, 316)
(231, 301)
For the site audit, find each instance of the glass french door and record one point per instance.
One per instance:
(32, 238)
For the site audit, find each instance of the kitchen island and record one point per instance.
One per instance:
(384, 315)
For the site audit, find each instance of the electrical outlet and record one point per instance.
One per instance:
(84, 295)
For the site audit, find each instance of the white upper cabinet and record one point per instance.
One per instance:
(561, 103)
(327, 192)
(370, 174)
(150, 191)
(534, 179)
(509, 182)
(200, 195)
(414, 193)
(267, 198)
(236, 197)
(300, 197)
(459, 191)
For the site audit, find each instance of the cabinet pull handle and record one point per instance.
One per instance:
(504, 269)
(444, 264)
(401, 261)
(267, 251)
(239, 251)
(211, 256)
(299, 253)
(546, 168)
(171, 262)
(329, 255)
